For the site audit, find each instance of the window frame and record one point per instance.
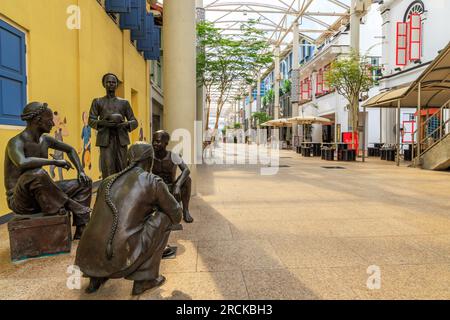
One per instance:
(23, 77)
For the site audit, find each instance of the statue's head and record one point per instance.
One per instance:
(110, 81)
(39, 115)
(141, 153)
(161, 139)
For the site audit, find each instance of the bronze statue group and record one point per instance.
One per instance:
(138, 202)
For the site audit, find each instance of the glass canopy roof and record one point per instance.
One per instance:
(316, 18)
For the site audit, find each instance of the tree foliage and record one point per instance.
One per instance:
(226, 62)
(261, 117)
(286, 86)
(268, 98)
(350, 76)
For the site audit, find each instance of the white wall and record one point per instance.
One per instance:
(371, 33)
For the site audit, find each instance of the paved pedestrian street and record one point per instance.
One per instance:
(363, 231)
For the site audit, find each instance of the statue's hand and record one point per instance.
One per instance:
(177, 192)
(64, 164)
(107, 124)
(125, 125)
(84, 179)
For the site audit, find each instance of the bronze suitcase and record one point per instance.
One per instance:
(39, 236)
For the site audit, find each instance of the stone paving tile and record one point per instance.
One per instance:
(203, 231)
(435, 225)
(374, 227)
(437, 244)
(392, 250)
(429, 281)
(313, 251)
(237, 255)
(201, 285)
(296, 284)
(270, 230)
(186, 259)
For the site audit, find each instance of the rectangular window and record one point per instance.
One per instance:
(306, 89)
(13, 79)
(402, 44)
(415, 37)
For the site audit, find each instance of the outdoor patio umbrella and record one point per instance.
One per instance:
(308, 120)
(277, 123)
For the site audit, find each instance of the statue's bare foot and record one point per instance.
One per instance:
(95, 284)
(139, 287)
(187, 216)
(79, 232)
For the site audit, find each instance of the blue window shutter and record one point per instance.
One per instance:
(118, 6)
(141, 33)
(12, 74)
(133, 19)
(152, 41)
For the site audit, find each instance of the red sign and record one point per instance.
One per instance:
(347, 138)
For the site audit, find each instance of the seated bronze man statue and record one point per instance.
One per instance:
(130, 226)
(166, 164)
(30, 189)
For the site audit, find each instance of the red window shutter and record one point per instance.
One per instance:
(305, 89)
(319, 82)
(309, 87)
(325, 85)
(402, 44)
(415, 37)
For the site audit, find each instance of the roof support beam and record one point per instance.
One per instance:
(340, 4)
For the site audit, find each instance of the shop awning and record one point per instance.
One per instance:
(308, 120)
(386, 99)
(434, 83)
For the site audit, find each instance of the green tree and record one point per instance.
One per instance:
(261, 117)
(350, 76)
(286, 86)
(269, 97)
(207, 62)
(226, 61)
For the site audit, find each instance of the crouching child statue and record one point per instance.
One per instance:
(30, 189)
(130, 226)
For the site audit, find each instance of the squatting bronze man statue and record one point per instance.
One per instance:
(130, 226)
(30, 189)
(166, 164)
(107, 116)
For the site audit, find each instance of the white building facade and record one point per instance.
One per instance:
(318, 99)
(413, 32)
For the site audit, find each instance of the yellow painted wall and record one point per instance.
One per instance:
(65, 66)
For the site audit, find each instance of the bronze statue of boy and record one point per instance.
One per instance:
(107, 116)
(30, 189)
(166, 164)
(130, 226)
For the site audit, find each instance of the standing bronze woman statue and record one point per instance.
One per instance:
(113, 119)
